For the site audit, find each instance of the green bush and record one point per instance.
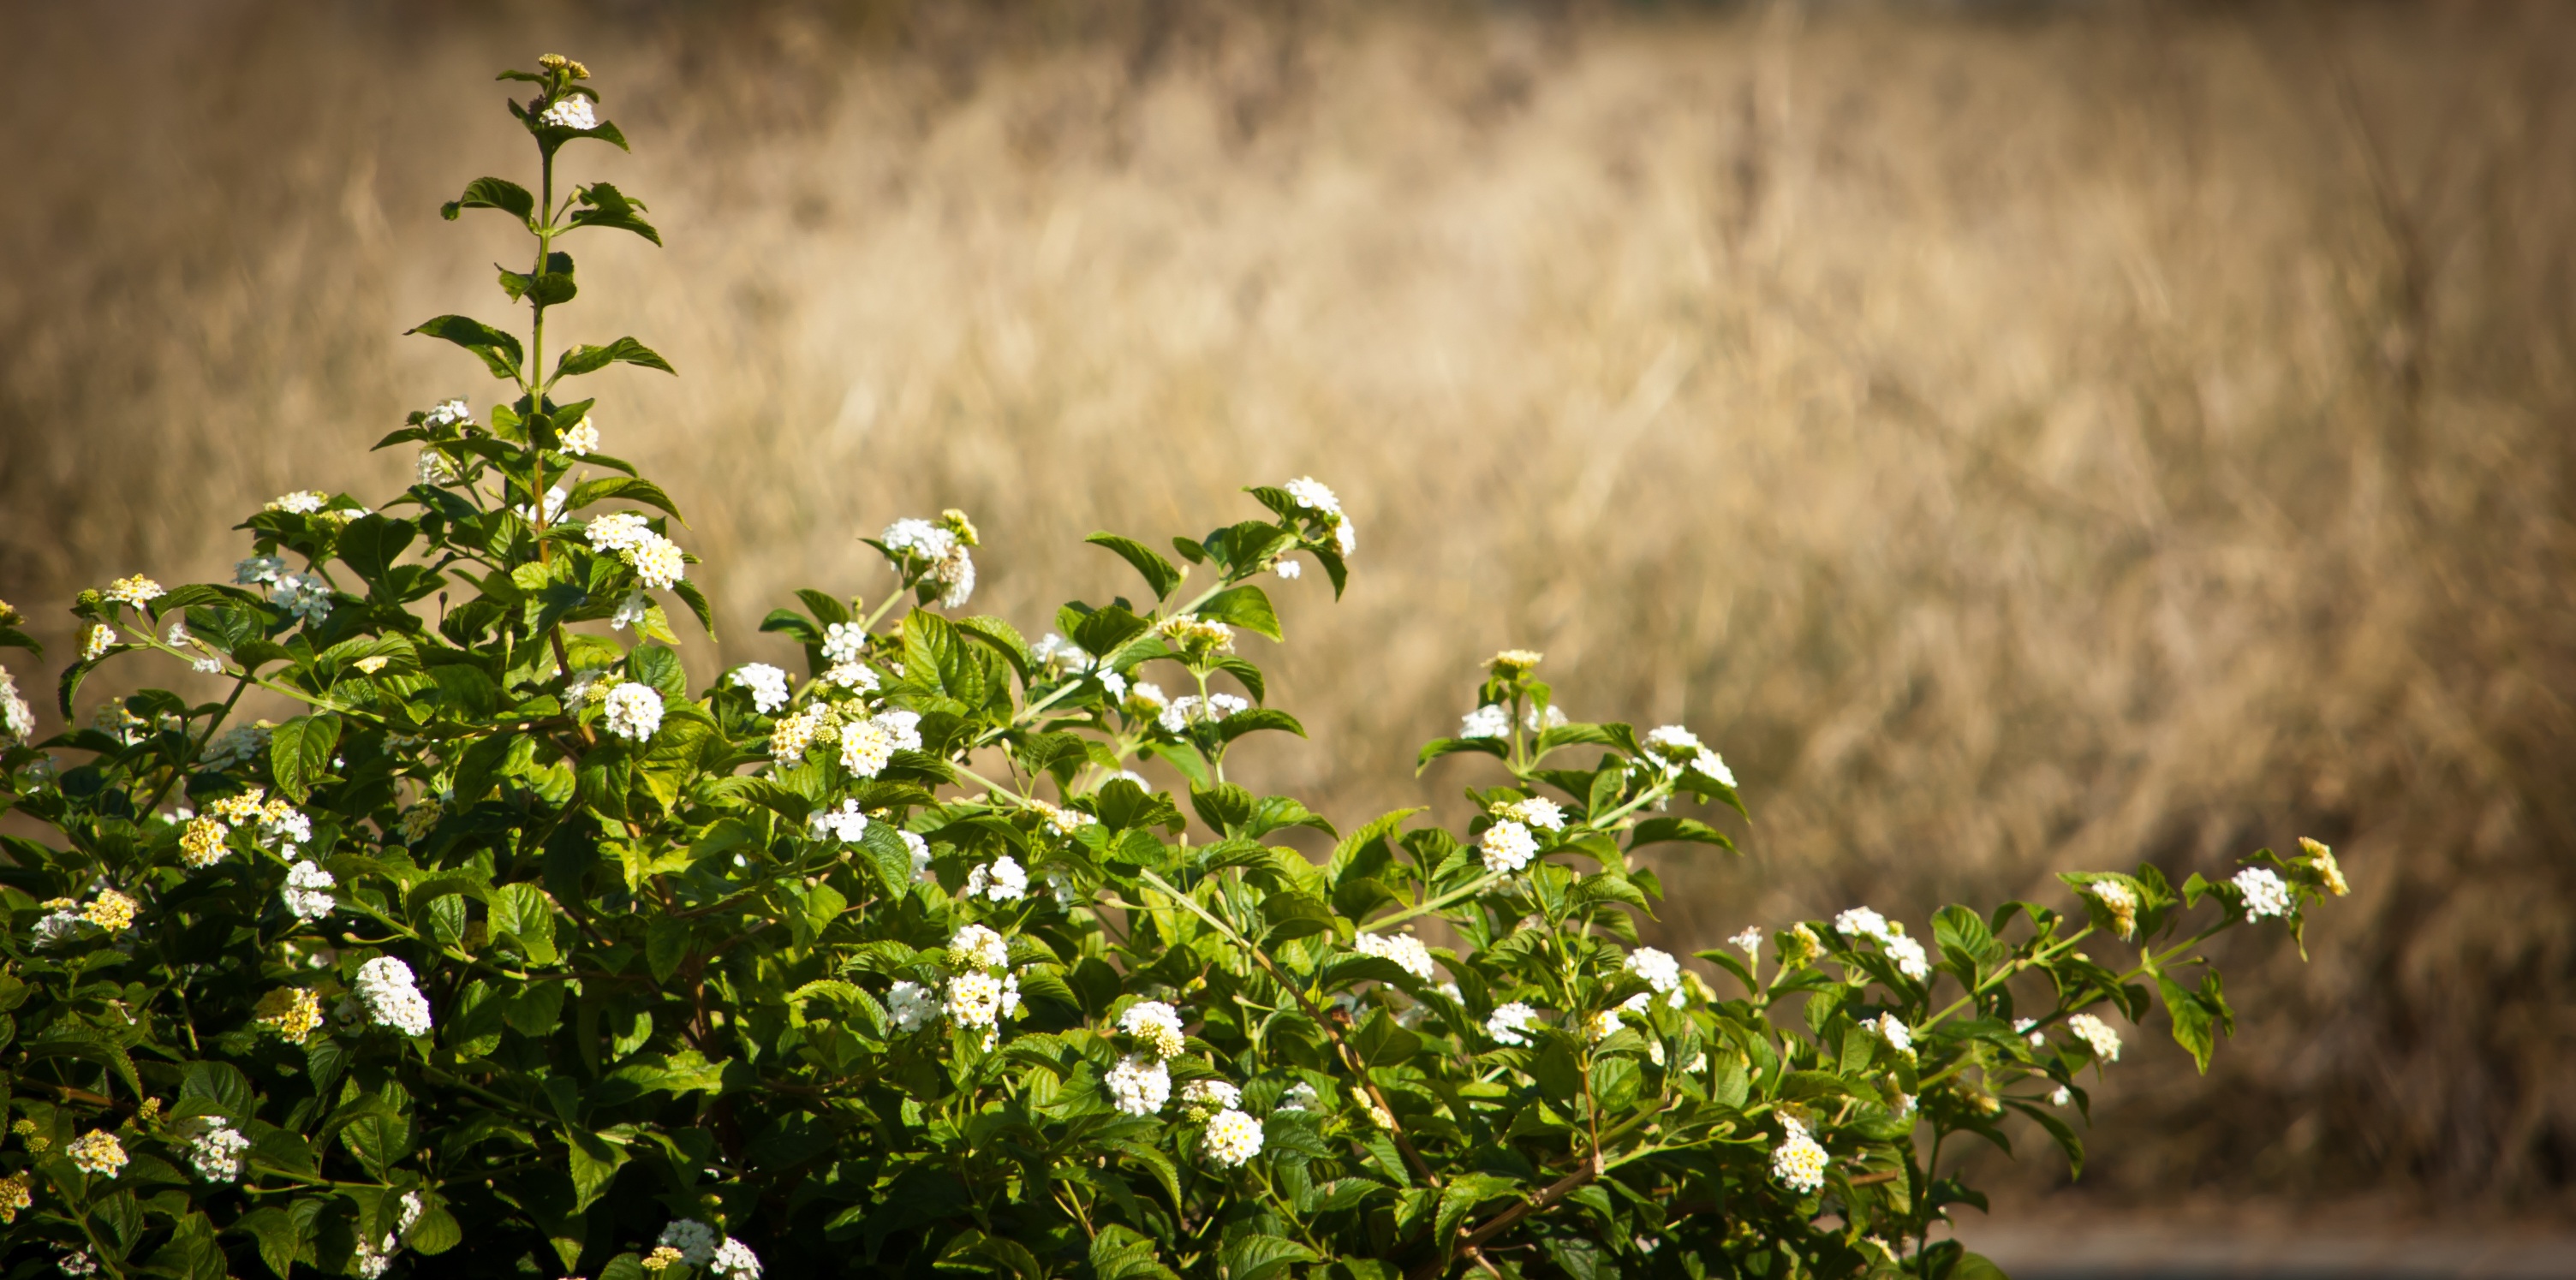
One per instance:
(511, 954)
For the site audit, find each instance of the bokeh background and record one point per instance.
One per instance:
(2022, 437)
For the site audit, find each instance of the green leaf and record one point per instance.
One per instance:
(501, 352)
(1160, 574)
(581, 360)
(299, 753)
(1258, 1257)
(214, 1089)
(595, 1162)
(606, 206)
(1462, 1195)
(492, 193)
(521, 911)
(1677, 831)
(1380, 1042)
(1119, 1253)
(628, 487)
(1246, 606)
(1256, 720)
(1439, 747)
(275, 1234)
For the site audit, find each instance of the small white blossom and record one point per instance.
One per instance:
(1909, 956)
(2025, 1028)
(768, 685)
(976, 947)
(77, 1263)
(452, 412)
(97, 1152)
(1405, 950)
(1156, 1024)
(1145, 701)
(633, 711)
(1300, 1096)
(1139, 1086)
(1005, 880)
(1507, 847)
(1749, 941)
(1233, 1138)
(2096, 1035)
(1799, 1160)
(2265, 894)
(845, 824)
(135, 590)
(920, 851)
(1897, 1035)
(911, 1006)
(974, 999)
(259, 571)
(1537, 811)
(583, 440)
(1287, 568)
(305, 595)
(302, 502)
(734, 1260)
(938, 554)
(696, 1241)
(2117, 899)
(1554, 719)
(851, 676)
(1177, 717)
(17, 718)
(101, 639)
(844, 642)
(1660, 970)
(571, 111)
(308, 891)
(1061, 656)
(1861, 922)
(631, 611)
(2061, 1097)
(1491, 720)
(1311, 494)
(385, 986)
(1204, 1096)
(1510, 1022)
(218, 1153)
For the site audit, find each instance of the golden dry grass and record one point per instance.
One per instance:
(2019, 444)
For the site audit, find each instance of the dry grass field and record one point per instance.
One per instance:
(2020, 441)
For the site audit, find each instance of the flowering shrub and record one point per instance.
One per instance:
(512, 952)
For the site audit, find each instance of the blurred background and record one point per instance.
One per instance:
(2022, 437)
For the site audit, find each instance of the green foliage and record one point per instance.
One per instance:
(512, 955)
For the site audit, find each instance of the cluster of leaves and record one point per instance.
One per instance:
(722, 964)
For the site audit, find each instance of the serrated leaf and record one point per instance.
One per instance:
(299, 753)
(1160, 574)
(581, 360)
(1246, 606)
(500, 351)
(492, 193)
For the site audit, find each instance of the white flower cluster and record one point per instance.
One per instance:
(1537, 811)
(845, 824)
(1300, 1096)
(434, 468)
(920, 851)
(1492, 720)
(386, 988)
(843, 642)
(694, 1241)
(1681, 749)
(734, 1260)
(571, 111)
(657, 560)
(302, 502)
(452, 412)
(305, 595)
(850, 676)
(1660, 970)
(2265, 895)
(867, 746)
(1139, 1085)
(937, 554)
(1799, 1160)
(1233, 1138)
(982, 994)
(235, 747)
(308, 891)
(1061, 656)
(97, 1152)
(1861, 922)
(1154, 1024)
(2120, 901)
(136, 590)
(1507, 847)
(1897, 1035)
(911, 1006)
(1749, 941)
(2097, 1035)
(218, 1153)
(101, 638)
(2028, 1029)
(768, 685)
(1176, 718)
(1311, 494)
(583, 440)
(633, 711)
(1404, 949)
(1003, 880)
(976, 947)
(78, 1263)
(259, 571)
(17, 719)
(1511, 1023)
